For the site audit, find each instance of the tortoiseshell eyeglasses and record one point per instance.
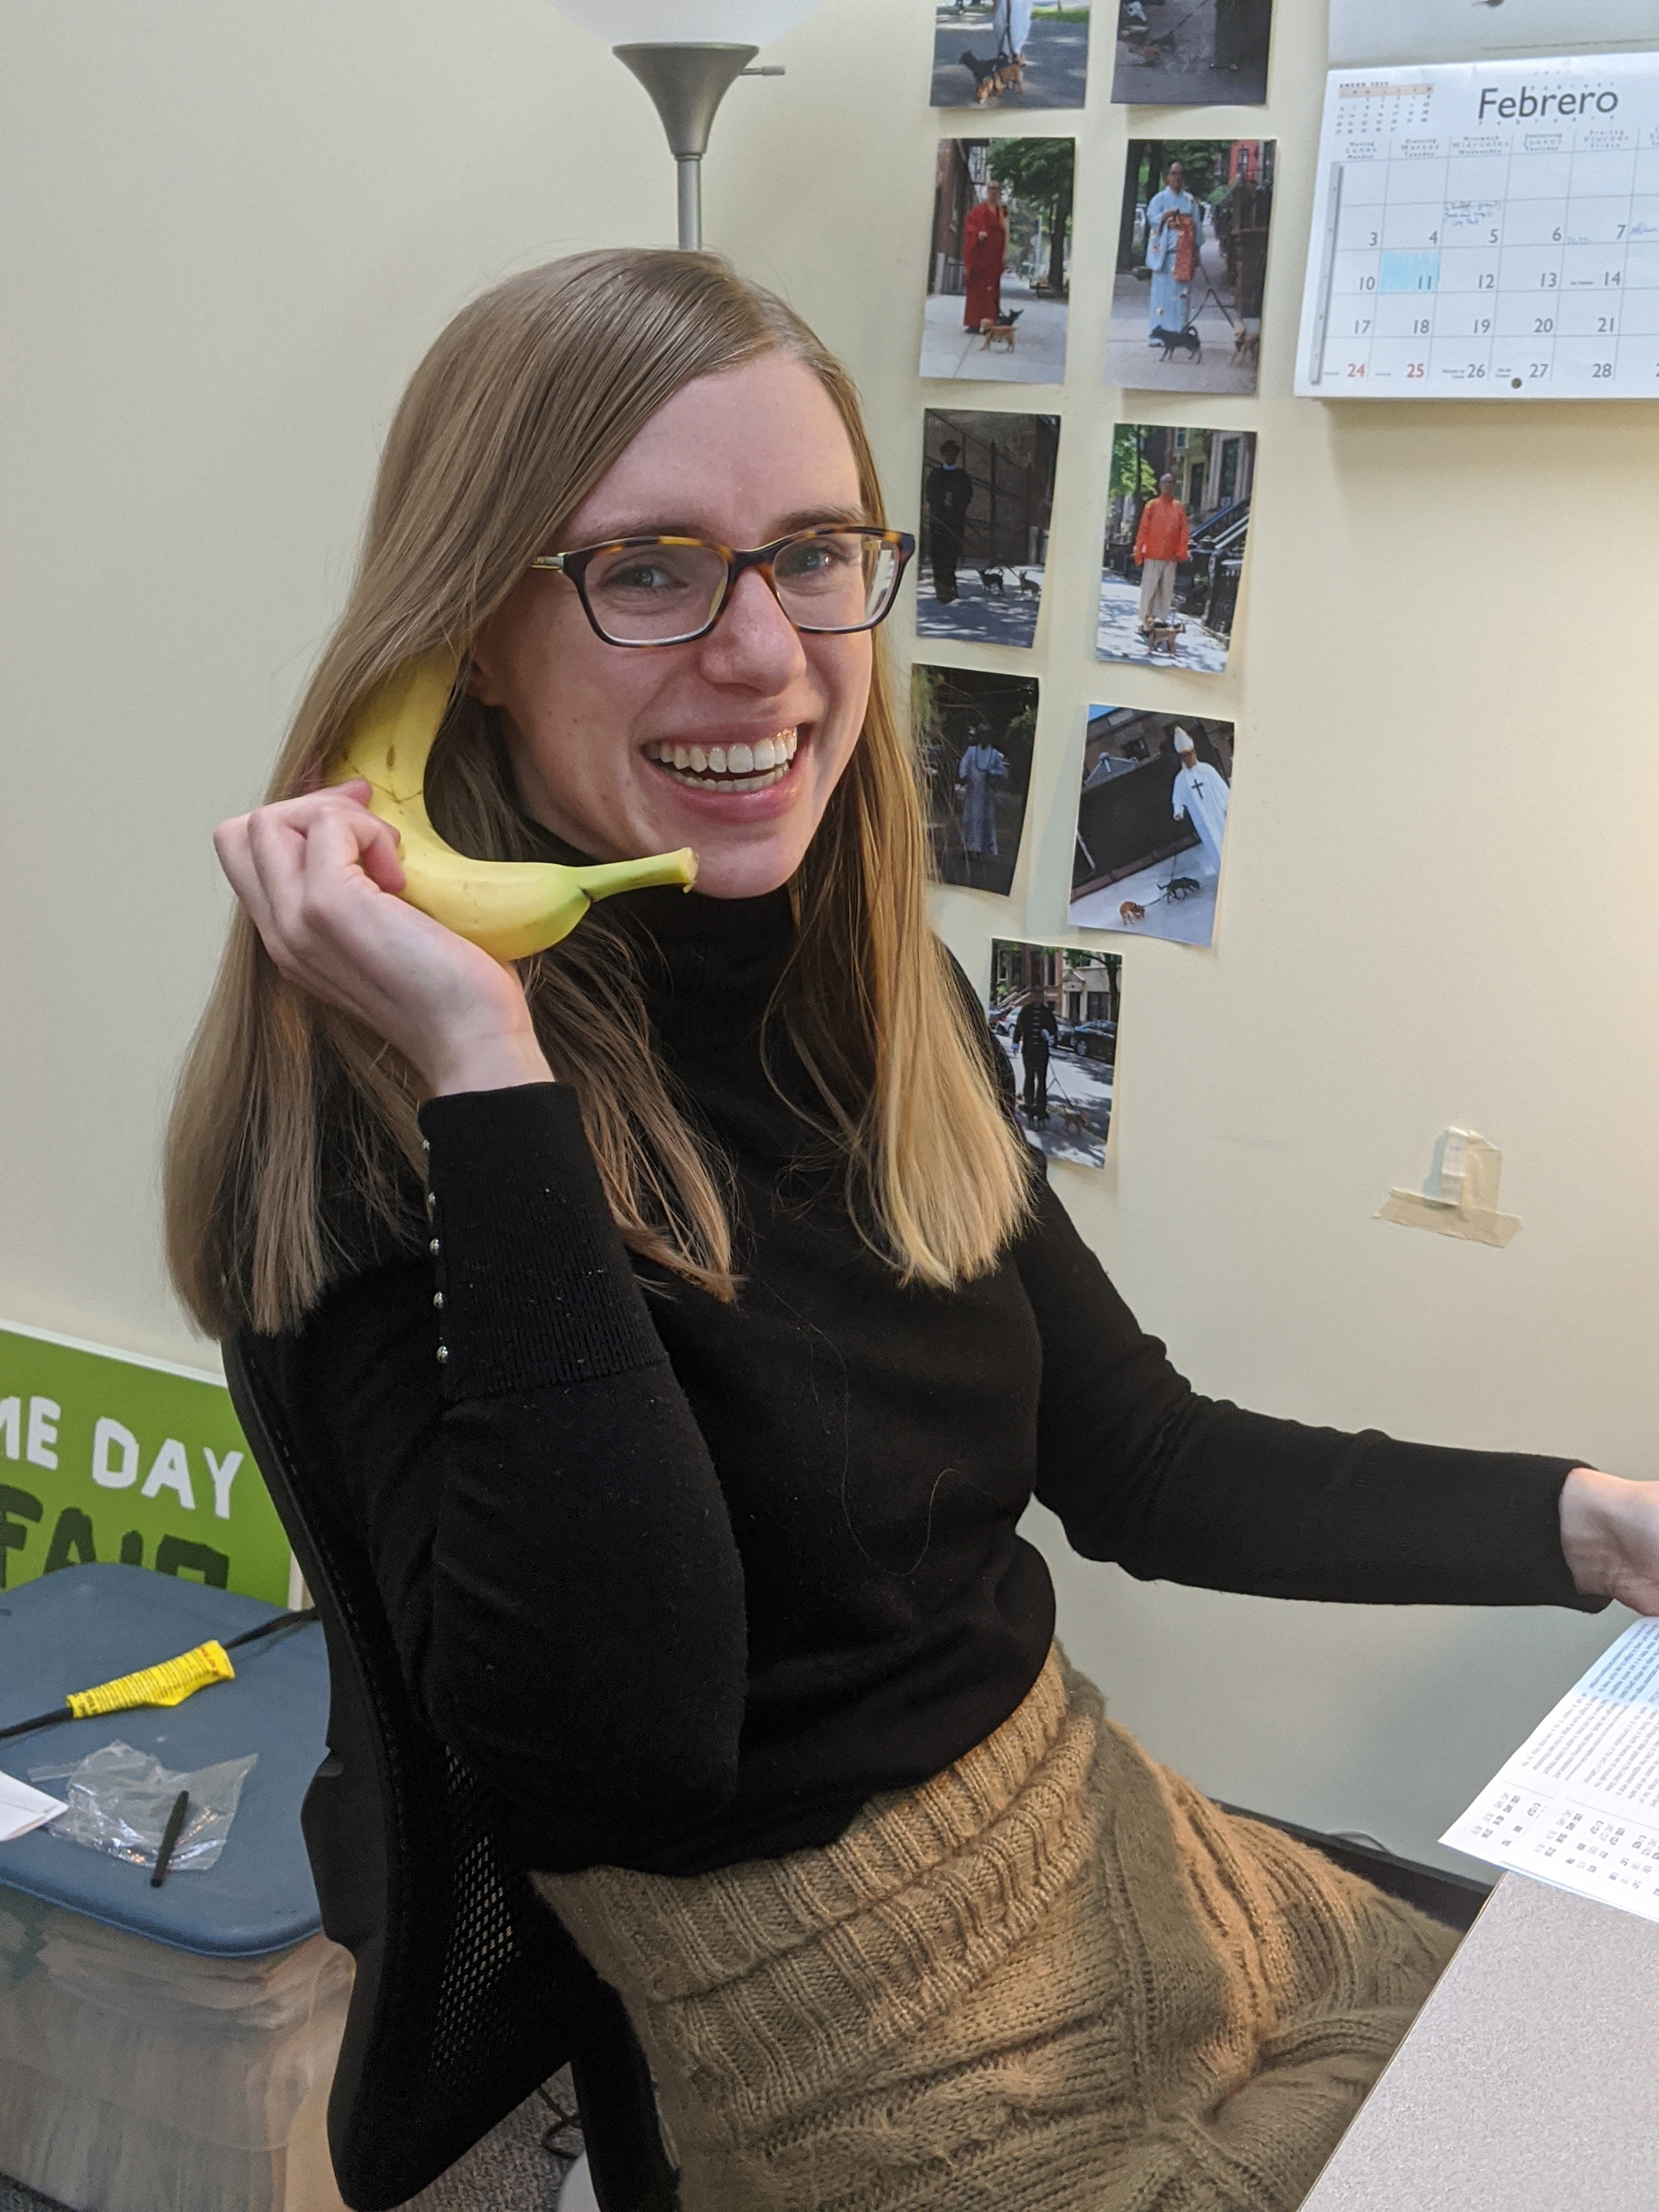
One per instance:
(829, 580)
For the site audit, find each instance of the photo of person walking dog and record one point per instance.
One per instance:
(1177, 520)
(974, 730)
(987, 492)
(998, 261)
(1151, 824)
(1053, 1010)
(1193, 53)
(1192, 259)
(1009, 53)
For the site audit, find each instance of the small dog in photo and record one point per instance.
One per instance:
(997, 333)
(994, 580)
(1006, 74)
(1030, 587)
(1186, 341)
(1129, 913)
(1160, 635)
(1247, 346)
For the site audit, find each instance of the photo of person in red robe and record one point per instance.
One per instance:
(984, 251)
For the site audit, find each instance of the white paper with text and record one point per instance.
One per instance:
(1578, 1804)
(23, 1807)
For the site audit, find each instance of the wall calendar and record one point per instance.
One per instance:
(1486, 230)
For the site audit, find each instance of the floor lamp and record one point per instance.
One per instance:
(686, 54)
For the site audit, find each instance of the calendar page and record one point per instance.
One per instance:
(1486, 230)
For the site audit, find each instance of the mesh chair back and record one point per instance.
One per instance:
(468, 1993)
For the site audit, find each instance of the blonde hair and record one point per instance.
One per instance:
(517, 412)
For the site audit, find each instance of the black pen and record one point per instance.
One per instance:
(170, 1837)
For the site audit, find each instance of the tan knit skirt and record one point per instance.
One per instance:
(1054, 1978)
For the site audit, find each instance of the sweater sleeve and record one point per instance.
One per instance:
(545, 1524)
(1143, 1471)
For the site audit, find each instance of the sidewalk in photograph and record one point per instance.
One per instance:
(1185, 74)
(1189, 921)
(1080, 1108)
(1117, 632)
(979, 616)
(1131, 361)
(1056, 58)
(1038, 356)
(982, 872)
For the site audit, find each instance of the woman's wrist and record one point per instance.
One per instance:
(1593, 1511)
(498, 1062)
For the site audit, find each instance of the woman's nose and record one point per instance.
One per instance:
(754, 643)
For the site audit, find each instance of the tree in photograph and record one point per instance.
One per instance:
(1133, 477)
(1039, 172)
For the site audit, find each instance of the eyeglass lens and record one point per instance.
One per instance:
(651, 594)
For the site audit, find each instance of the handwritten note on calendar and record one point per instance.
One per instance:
(1486, 230)
(1578, 1804)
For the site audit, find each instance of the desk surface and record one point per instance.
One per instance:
(89, 1624)
(1528, 2082)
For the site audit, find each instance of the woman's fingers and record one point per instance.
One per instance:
(308, 869)
(314, 873)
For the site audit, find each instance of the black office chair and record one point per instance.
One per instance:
(469, 1994)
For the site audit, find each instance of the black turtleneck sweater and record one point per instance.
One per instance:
(689, 1581)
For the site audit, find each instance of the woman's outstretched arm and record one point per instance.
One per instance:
(1143, 1471)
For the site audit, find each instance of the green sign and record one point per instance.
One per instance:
(103, 1456)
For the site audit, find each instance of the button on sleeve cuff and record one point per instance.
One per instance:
(533, 1284)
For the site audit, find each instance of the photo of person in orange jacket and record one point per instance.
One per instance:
(1161, 545)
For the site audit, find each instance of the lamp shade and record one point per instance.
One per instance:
(687, 22)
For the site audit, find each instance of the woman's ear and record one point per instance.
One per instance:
(479, 682)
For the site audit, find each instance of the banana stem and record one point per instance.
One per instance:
(601, 881)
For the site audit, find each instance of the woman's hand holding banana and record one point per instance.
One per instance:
(361, 902)
(322, 879)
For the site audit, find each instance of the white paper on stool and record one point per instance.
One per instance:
(22, 1808)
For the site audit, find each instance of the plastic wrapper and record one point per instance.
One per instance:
(119, 1800)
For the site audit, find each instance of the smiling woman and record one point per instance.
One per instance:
(683, 1326)
(563, 418)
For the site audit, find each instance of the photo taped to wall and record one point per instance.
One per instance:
(987, 491)
(1191, 259)
(1009, 53)
(974, 730)
(1177, 518)
(1053, 1010)
(999, 263)
(1204, 53)
(1151, 823)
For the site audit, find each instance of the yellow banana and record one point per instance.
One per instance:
(510, 908)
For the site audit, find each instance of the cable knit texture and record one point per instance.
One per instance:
(1054, 1978)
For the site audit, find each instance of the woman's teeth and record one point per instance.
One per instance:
(727, 767)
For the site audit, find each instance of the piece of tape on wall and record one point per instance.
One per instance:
(1460, 1198)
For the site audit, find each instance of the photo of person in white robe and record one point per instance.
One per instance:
(1199, 796)
(1151, 824)
(981, 768)
(1175, 225)
(974, 731)
(1190, 272)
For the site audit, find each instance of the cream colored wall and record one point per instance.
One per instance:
(228, 231)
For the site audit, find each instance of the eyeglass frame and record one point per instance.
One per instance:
(572, 566)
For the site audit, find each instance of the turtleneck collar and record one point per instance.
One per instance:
(704, 962)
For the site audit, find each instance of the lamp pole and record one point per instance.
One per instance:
(687, 84)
